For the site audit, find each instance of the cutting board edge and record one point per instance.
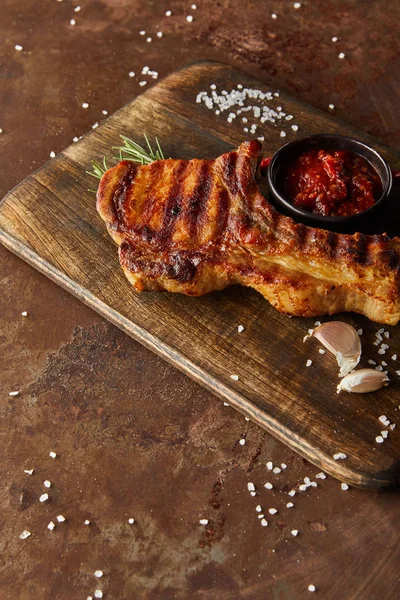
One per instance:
(336, 469)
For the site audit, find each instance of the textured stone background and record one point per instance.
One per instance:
(134, 437)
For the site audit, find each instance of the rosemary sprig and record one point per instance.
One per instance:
(129, 151)
(133, 151)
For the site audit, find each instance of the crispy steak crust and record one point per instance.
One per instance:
(202, 225)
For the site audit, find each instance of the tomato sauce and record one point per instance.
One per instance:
(337, 183)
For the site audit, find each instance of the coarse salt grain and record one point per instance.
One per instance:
(75, 139)
(148, 40)
(392, 426)
(85, 105)
(379, 439)
(341, 55)
(283, 466)
(258, 508)
(60, 518)
(98, 573)
(253, 494)
(132, 73)
(264, 522)
(276, 470)
(283, 134)
(394, 357)
(98, 594)
(371, 362)
(292, 493)
(193, 7)
(381, 351)
(104, 112)
(159, 34)
(360, 331)
(268, 485)
(47, 483)
(72, 22)
(295, 532)
(226, 403)
(131, 521)
(77, 8)
(270, 465)
(295, 127)
(53, 454)
(302, 487)
(95, 125)
(24, 313)
(320, 475)
(297, 5)
(384, 434)
(240, 328)
(309, 363)
(189, 18)
(235, 377)
(18, 47)
(311, 588)
(289, 505)
(25, 534)
(44, 498)
(251, 487)
(344, 486)
(87, 522)
(15, 393)
(334, 39)
(168, 13)
(339, 456)
(142, 83)
(274, 16)
(242, 441)
(203, 521)
(51, 525)
(52, 154)
(29, 471)
(331, 106)
(321, 350)
(142, 32)
(272, 511)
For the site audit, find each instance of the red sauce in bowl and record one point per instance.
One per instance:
(338, 183)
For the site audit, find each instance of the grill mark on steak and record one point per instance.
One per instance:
(121, 191)
(197, 202)
(173, 204)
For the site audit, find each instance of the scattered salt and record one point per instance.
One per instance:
(295, 127)
(258, 508)
(72, 22)
(321, 351)
(98, 573)
(235, 377)
(344, 486)
(242, 441)
(159, 34)
(334, 39)
(25, 534)
(292, 493)
(240, 328)
(309, 363)
(24, 313)
(311, 588)
(276, 470)
(87, 522)
(294, 532)
(189, 18)
(268, 485)
(168, 13)
(131, 521)
(52, 154)
(283, 466)
(339, 456)
(85, 105)
(341, 55)
(251, 487)
(53, 454)
(379, 439)
(331, 106)
(44, 498)
(264, 522)
(148, 40)
(203, 521)
(15, 393)
(60, 518)
(274, 16)
(18, 47)
(283, 134)
(47, 483)
(51, 525)
(297, 5)
(132, 73)
(77, 8)
(289, 505)
(29, 471)
(270, 465)
(98, 594)
(320, 475)
(272, 511)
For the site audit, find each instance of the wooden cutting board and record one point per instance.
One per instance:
(50, 221)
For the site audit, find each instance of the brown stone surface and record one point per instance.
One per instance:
(135, 438)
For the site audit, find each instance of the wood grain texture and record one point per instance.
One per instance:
(50, 220)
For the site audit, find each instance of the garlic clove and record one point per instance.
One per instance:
(343, 341)
(363, 381)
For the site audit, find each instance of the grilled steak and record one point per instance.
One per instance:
(197, 226)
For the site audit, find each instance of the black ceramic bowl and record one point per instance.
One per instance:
(280, 161)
